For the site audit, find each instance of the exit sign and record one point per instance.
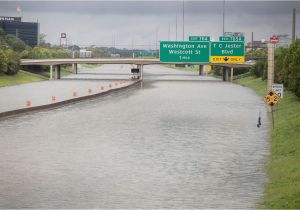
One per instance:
(231, 39)
(184, 52)
(199, 38)
(227, 52)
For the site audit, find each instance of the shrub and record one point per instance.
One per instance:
(13, 62)
(3, 61)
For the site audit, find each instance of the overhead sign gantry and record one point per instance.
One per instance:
(230, 49)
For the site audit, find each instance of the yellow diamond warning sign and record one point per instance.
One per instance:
(272, 98)
(227, 59)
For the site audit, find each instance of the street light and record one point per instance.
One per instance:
(223, 17)
(183, 20)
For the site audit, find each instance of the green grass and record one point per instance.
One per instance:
(20, 78)
(23, 77)
(187, 68)
(283, 167)
(90, 65)
(64, 72)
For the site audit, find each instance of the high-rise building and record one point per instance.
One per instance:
(26, 31)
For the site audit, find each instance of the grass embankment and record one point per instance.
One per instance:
(90, 65)
(283, 167)
(20, 78)
(65, 71)
(187, 68)
(23, 77)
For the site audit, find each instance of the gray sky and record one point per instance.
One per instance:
(134, 23)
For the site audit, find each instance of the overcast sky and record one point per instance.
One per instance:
(136, 23)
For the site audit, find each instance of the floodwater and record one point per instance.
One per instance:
(169, 144)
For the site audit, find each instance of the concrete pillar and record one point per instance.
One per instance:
(271, 49)
(139, 67)
(75, 68)
(51, 72)
(141, 71)
(231, 74)
(224, 73)
(58, 71)
(201, 70)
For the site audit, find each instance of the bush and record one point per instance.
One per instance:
(259, 69)
(13, 62)
(280, 69)
(292, 68)
(15, 43)
(3, 61)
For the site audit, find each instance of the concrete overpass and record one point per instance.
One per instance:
(55, 64)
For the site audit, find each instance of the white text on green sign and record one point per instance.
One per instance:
(227, 49)
(199, 38)
(184, 51)
(231, 38)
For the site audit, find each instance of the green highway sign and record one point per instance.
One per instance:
(231, 38)
(199, 38)
(184, 52)
(227, 52)
(145, 54)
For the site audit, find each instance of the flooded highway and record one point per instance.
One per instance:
(169, 144)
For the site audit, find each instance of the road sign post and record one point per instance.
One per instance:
(270, 65)
(184, 52)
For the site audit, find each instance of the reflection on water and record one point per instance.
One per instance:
(168, 145)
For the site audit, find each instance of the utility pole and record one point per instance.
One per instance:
(252, 50)
(176, 27)
(169, 33)
(156, 37)
(223, 17)
(132, 48)
(182, 20)
(294, 25)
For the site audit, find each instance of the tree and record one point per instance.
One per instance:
(2, 32)
(260, 68)
(42, 41)
(3, 61)
(15, 43)
(279, 68)
(13, 62)
(292, 68)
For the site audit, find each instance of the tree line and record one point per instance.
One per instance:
(286, 67)
(13, 49)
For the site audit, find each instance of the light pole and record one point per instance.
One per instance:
(156, 37)
(183, 20)
(223, 17)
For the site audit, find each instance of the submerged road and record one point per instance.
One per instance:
(170, 144)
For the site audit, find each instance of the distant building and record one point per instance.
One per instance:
(284, 40)
(257, 44)
(26, 31)
(115, 55)
(83, 53)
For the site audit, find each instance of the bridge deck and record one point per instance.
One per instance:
(117, 61)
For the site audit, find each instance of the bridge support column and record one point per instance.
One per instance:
(142, 71)
(224, 73)
(51, 72)
(75, 68)
(58, 72)
(231, 74)
(201, 70)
